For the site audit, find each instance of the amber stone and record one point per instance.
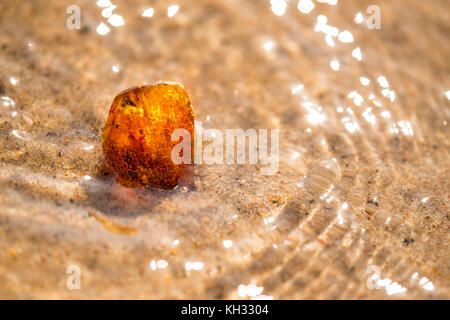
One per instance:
(137, 140)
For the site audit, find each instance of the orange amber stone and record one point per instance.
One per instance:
(137, 140)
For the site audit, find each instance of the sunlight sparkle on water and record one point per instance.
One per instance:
(249, 290)
(329, 40)
(196, 266)
(385, 114)
(357, 98)
(227, 243)
(447, 94)
(116, 20)
(107, 12)
(172, 10)
(268, 45)
(350, 126)
(104, 3)
(278, 7)
(426, 284)
(359, 18)
(305, 6)
(345, 36)
(148, 12)
(322, 26)
(102, 29)
(356, 53)
(297, 88)
(315, 113)
(382, 81)
(369, 116)
(364, 81)
(335, 65)
(330, 2)
(7, 101)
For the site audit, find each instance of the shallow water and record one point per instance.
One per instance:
(363, 182)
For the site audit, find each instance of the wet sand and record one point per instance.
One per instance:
(364, 167)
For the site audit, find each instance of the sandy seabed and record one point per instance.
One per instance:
(363, 184)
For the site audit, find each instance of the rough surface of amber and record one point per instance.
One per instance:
(136, 139)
